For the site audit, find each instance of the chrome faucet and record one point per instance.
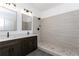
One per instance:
(28, 33)
(7, 34)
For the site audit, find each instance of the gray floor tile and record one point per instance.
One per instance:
(38, 52)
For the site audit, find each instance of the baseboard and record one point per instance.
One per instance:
(47, 50)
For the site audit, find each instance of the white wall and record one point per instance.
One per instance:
(62, 8)
(27, 6)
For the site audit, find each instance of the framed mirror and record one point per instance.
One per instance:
(8, 19)
(26, 22)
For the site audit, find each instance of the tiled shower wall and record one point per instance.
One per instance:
(61, 30)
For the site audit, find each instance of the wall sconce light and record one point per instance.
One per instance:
(27, 10)
(14, 4)
(11, 4)
(7, 3)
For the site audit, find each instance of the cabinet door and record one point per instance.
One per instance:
(29, 44)
(24, 46)
(4, 51)
(32, 43)
(15, 48)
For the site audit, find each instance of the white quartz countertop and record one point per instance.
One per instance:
(12, 37)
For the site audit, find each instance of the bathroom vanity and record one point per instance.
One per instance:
(18, 47)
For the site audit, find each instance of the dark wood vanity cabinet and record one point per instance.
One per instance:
(29, 45)
(10, 48)
(18, 47)
(4, 51)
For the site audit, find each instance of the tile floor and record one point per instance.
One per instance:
(38, 52)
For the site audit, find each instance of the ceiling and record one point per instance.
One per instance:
(41, 6)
